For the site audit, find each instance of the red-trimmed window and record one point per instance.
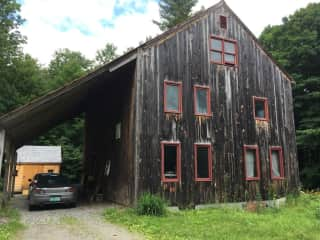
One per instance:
(223, 51)
(276, 162)
(223, 22)
(260, 108)
(203, 162)
(170, 161)
(251, 162)
(172, 97)
(202, 106)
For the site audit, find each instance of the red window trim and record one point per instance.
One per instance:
(179, 84)
(178, 145)
(255, 147)
(266, 108)
(208, 113)
(223, 22)
(222, 52)
(198, 179)
(281, 165)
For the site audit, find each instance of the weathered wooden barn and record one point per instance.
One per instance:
(199, 114)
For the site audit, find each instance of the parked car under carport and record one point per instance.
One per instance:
(50, 189)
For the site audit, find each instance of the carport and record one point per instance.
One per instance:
(106, 97)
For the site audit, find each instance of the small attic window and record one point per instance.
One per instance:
(223, 22)
(260, 110)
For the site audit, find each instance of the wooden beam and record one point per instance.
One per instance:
(2, 140)
(122, 63)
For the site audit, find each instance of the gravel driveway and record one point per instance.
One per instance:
(82, 222)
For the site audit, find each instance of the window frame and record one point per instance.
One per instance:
(222, 52)
(281, 163)
(257, 164)
(178, 161)
(195, 88)
(209, 178)
(179, 85)
(266, 108)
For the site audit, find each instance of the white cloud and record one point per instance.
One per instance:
(44, 17)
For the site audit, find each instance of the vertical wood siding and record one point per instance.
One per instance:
(184, 57)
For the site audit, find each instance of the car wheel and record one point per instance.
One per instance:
(31, 207)
(73, 205)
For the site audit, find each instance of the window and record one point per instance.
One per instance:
(173, 97)
(251, 162)
(170, 161)
(118, 131)
(223, 51)
(223, 22)
(202, 100)
(276, 163)
(260, 110)
(203, 162)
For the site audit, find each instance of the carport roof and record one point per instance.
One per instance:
(29, 121)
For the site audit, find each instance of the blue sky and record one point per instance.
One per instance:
(87, 25)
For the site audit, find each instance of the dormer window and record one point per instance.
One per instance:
(223, 51)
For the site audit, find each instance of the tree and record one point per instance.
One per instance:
(173, 12)
(295, 44)
(21, 82)
(66, 66)
(107, 54)
(10, 37)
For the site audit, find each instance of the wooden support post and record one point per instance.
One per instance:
(2, 140)
(13, 173)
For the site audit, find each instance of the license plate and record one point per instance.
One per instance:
(54, 199)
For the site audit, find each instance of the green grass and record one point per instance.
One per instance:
(297, 220)
(9, 223)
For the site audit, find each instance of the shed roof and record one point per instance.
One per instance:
(39, 154)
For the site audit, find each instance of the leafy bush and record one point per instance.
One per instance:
(149, 204)
(318, 213)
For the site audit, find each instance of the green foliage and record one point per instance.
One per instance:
(69, 135)
(152, 205)
(66, 66)
(9, 223)
(173, 12)
(107, 54)
(295, 44)
(297, 221)
(10, 37)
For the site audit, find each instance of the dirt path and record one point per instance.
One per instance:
(82, 222)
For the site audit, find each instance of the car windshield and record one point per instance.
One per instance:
(52, 181)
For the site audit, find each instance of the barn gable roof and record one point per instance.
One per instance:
(67, 101)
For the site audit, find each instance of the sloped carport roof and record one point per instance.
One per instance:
(31, 120)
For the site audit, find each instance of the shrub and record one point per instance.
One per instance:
(149, 204)
(318, 213)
